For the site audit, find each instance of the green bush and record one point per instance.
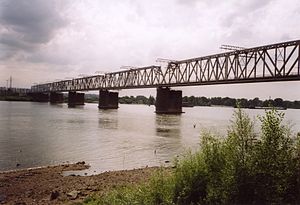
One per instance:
(241, 168)
(157, 191)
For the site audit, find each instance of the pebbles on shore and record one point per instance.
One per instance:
(47, 185)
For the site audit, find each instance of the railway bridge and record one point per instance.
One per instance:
(275, 62)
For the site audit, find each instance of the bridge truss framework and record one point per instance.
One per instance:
(276, 62)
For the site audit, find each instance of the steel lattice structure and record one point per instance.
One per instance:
(276, 62)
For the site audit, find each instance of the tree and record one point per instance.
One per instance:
(278, 102)
(151, 100)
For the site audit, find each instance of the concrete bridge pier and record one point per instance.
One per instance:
(108, 100)
(168, 101)
(39, 97)
(75, 99)
(56, 98)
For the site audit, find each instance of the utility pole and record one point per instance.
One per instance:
(10, 82)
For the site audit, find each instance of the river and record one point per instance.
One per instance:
(40, 134)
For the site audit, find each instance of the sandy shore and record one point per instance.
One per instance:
(47, 185)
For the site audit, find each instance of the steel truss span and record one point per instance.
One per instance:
(276, 62)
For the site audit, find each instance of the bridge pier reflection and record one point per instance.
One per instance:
(75, 99)
(168, 101)
(56, 97)
(108, 100)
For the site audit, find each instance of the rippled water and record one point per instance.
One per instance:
(37, 134)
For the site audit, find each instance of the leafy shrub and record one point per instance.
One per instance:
(242, 168)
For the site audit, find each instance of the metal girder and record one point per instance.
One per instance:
(276, 62)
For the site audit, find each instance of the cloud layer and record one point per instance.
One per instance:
(27, 25)
(46, 40)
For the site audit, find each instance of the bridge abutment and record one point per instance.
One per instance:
(108, 100)
(168, 101)
(56, 98)
(39, 97)
(75, 99)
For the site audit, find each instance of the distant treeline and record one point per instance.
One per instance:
(125, 100)
(244, 103)
(189, 101)
(217, 101)
(137, 100)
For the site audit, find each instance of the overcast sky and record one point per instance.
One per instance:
(47, 40)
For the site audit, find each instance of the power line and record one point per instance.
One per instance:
(232, 48)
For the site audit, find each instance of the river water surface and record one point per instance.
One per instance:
(40, 134)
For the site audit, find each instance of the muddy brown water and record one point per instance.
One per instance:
(40, 134)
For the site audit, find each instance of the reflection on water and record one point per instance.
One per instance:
(108, 119)
(76, 121)
(39, 134)
(168, 125)
(168, 143)
(108, 123)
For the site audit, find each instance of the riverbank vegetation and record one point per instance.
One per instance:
(244, 103)
(15, 98)
(243, 167)
(217, 101)
(186, 100)
(137, 100)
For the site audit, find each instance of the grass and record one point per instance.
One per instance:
(242, 168)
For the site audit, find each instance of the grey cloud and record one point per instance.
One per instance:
(285, 37)
(256, 4)
(187, 2)
(38, 57)
(14, 41)
(26, 25)
(211, 3)
(10, 44)
(240, 35)
(242, 10)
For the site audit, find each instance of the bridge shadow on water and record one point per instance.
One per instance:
(108, 119)
(168, 125)
(168, 142)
